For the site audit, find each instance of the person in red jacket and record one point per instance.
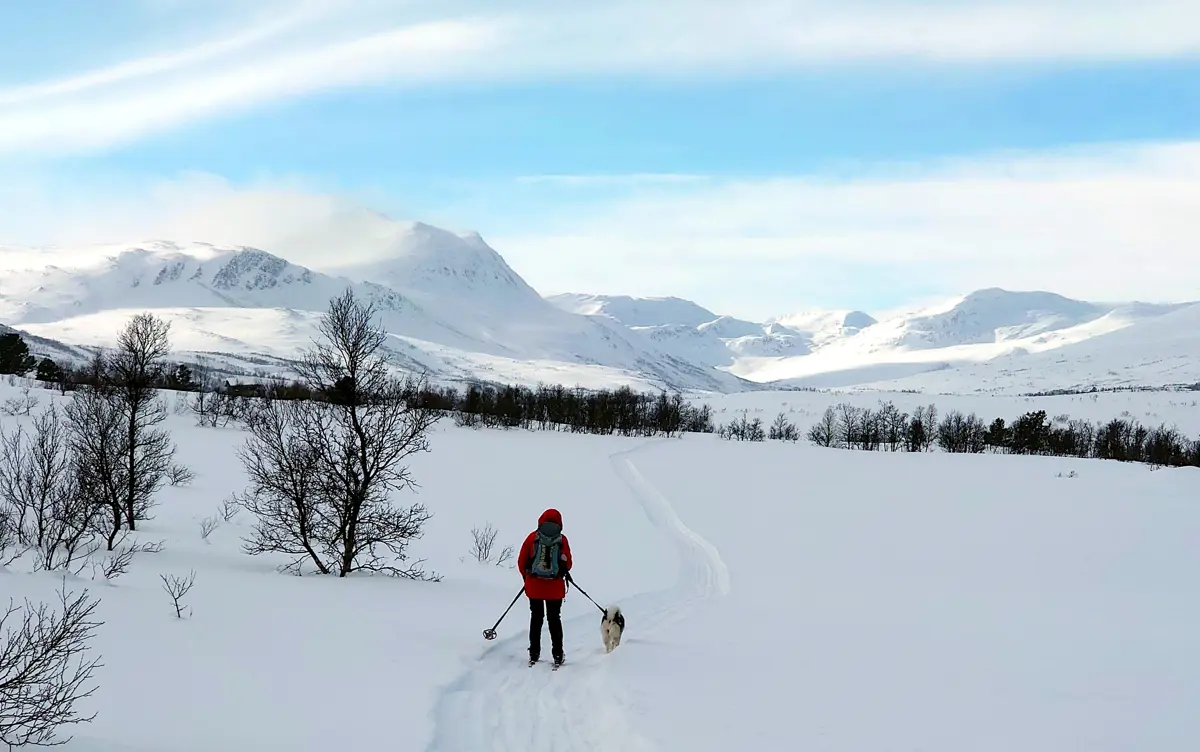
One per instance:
(544, 561)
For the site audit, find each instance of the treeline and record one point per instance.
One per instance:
(887, 428)
(16, 360)
(621, 411)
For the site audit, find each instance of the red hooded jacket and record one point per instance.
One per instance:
(540, 588)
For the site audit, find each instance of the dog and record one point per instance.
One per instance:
(612, 624)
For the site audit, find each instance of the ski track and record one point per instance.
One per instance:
(499, 704)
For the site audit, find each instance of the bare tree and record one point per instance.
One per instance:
(230, 509)
(180, 475)
(43, 669)
(39, 483)
(849, 424)
(34, 472)
(133, 371)
(97, 439)
(177, 588)
(869, 432)
(368, 424)
(9, 539)
(962, 433)
(207, 526)
(482, 542)
(783, 429)
(118, 563)
(892, 424)
(928, 416)
(283, 492)
(825, 431)
(70, 538)
(22, 405)
(211, 407)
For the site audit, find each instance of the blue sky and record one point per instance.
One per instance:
(851, 154)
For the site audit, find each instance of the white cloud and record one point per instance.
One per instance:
(323, 44)
(1100, 223)
(1118, 223)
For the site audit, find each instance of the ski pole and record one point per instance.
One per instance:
(490, 634)
(585, 595)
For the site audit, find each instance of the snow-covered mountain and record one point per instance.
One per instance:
(458, 311)
(972, 340)
(694, 332)
(455, 308)
(824, 327)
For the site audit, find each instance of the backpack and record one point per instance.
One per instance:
(545, 560)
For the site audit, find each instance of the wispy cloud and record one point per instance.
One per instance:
(160, 64)
(621, 180)
(323, 44)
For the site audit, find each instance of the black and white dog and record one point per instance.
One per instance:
(612, 624)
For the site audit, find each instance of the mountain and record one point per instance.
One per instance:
(158, 274)
(457, 311)
(693, 332)
(976, 333)
(454, 307)
(1131, 345)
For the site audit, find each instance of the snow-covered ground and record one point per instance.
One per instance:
(778, 596)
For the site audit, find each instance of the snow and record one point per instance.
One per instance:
(456, 308)
(979, 341)
(635, 312)
(884, 601)
(778, 596)
(459, 312)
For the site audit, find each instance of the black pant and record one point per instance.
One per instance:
(538, 610)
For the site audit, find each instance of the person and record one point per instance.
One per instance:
(544, 561)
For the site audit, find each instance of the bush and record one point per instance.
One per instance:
(43, 669)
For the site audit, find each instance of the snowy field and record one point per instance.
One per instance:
(778, 597)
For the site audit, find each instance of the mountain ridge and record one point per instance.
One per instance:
(455, 309)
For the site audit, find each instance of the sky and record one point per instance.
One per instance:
(758, 156)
